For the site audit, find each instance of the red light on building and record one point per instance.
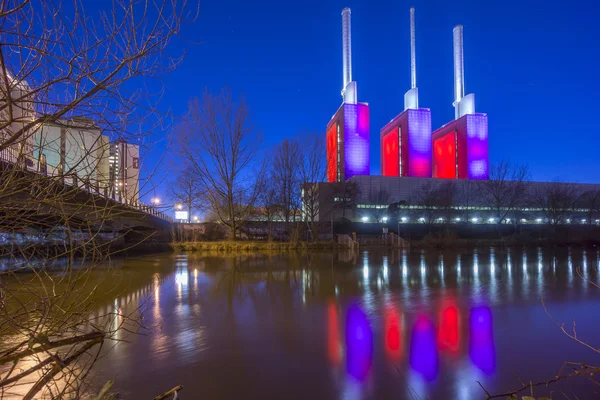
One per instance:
(444, 156)
(391, 157)
(406, 145)
(449, 333)
(332, 155)
(393, 338)
(460, 148)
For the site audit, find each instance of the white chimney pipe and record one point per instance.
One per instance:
(347, 46)
(413, 50)
(459, 68)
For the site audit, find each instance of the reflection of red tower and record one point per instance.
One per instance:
(449, 330)
(333, 335)
(393, 335)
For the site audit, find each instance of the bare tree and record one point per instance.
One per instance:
(506, 190)
(556, 200)
(590, 201)
(380, 199)
(436, 201)
(185, 190)
(76, 70)
(286, 171)
(467, 193)
(221, 145)
(313, 170)
(344, 196)
(268, 203)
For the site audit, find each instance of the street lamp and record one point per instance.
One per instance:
(195, 218)
(155, 201)
(179, 207)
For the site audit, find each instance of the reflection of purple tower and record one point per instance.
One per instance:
(481, 344)
(348, 132)
(423, 351)
(359, 344)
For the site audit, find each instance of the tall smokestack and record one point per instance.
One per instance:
(459, 67)
(413, 50)
(411, 98)
(347, 46)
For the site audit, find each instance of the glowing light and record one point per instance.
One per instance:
(539, 220)
(356, 140)
(393, 340)
(419, 143)
(423, 352)
(385, 219)
(365, 219)
(333, 335)
(359, 344)
(332, 161)
(391, 153)
(477, 145)
(155, 201)
(404, 219)
(444, 156)
(196, 218)
(449, 333)
(179, 206)
(481, 344)
(457, 219)
(421, 219)
(475, 220)
(492, 220)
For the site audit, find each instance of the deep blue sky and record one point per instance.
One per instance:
(532, 64)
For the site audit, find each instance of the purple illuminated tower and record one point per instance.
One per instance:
(348, 132)
(406, 139)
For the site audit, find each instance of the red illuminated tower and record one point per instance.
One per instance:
(460, 148)
(406, 140)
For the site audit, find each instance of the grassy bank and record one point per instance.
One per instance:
(241, 246)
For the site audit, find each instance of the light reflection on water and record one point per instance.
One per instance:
(381, 325)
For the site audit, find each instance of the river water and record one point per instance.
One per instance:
(373, 324)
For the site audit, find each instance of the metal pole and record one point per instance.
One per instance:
(347, 46)
(413, 50)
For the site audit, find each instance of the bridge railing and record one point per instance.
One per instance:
(30, 164)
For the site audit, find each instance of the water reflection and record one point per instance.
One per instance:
(358, 326)
(359, 343)
(423, 350)
(481, 343)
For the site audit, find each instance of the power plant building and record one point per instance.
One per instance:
(348, 132)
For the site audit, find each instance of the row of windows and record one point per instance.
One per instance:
(471, 208)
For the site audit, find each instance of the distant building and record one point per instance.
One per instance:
(365, 198)
(76, 149)
(124, 171)
(20, 114)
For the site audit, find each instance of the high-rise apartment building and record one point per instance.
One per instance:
(124, 172)
(75, 149)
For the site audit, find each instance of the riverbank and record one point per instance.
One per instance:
(235, 246)
(450, 242)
